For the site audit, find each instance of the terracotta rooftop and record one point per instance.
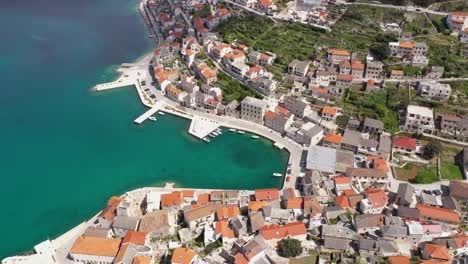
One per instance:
(203, 198)
(223, 229)
(95, 246)
(134, 237)
(171, 199)
(338, 52)
(399, 260)
(277, 232)
(337, 139)
(405, 142)
(295, 203)
(329, 110)
(342, 201)
(436, 213)
(437, 251)
(256, 205)
(344, 76)
(142, 260)
(342, 180)
(183, 255)
(227, 211)
(270, 115)
(266, 194)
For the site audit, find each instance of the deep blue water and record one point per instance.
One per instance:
(64, 149)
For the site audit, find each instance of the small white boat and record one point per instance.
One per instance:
(276, 174)
(211, 135)
(232, 130)
(152, 118)
(254, 136)
(241, 132)
(219, 131)
(161, 113)
(215, 133)
(206, 140)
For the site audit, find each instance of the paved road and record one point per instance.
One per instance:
(427, 79)
(405, 8)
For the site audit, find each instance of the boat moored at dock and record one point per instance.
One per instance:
(276, 174)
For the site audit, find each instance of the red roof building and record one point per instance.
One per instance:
(267, 194)
(405, 143)
(428, 212)
(278, 232)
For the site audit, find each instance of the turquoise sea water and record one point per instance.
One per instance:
(64, 150)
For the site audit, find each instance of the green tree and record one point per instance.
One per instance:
(290, 247)
(381, 50)
(432, 149)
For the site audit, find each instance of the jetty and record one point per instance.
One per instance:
(121, 82)
(147, 114)
(200, 127)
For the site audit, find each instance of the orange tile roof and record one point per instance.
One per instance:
(221, 47)
(254, 69)
(264, 3)
(338, 52)
(222, 228)
(344, 76)
(349, 192)
(381, 164)
(270, 115)
(329, 110)
(342, 201)
(437, 251)
(434, 261)
(461, 241)
(399, 260)
(183, 255)
(171, 199)
(134, 237)
(174, 90)
(407, 45)
(278, 232)
(203, 198)
(108, 213)
(142, 260)
(256, 205)
(114, 201)
(95, 246)
(188, 193)
(334, 138)
(377, 197)
(227, 211)
(282, 110)
(295, 203)
(266, 194)
(265, 56)
(443, 214)
(342, 180)
(320, 90)
(357, 65)
(397, 72)
(239, 258)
